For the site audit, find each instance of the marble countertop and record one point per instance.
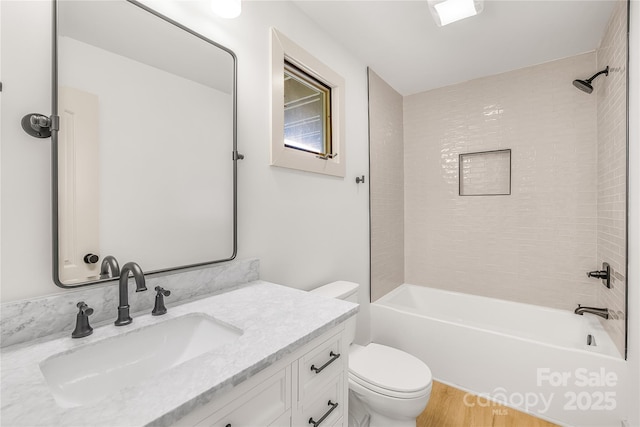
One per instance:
(276, 321)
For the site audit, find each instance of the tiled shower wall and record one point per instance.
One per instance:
(386, 186)
(532, 246)
(612, 144)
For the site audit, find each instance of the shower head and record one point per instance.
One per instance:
(585, 85)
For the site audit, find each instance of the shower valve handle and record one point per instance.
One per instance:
(600, 274)
(604, 274)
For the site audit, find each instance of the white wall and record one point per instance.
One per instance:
(25, 169)
(307, 229)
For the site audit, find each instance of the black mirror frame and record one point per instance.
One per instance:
(54, 154)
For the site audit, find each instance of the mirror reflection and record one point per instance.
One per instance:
(145, 170)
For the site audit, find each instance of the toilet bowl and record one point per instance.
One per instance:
(393, 386)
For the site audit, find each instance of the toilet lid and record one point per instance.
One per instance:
(388, 369)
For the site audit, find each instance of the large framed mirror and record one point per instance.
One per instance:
(144, 160)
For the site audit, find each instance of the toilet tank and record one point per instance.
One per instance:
(347, 291)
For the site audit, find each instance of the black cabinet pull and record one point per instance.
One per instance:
(228, 425)
(333, 355)
(324, 417)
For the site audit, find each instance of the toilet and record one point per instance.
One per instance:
(390, 386)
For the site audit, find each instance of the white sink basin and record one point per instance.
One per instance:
(87, 374)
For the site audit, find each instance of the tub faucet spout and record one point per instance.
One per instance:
(602, 312)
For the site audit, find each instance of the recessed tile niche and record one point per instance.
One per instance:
(486, 173)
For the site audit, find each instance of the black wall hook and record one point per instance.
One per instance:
(38, 125)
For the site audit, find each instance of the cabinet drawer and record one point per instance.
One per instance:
(319, 366)
(267, 404)
(327, 406)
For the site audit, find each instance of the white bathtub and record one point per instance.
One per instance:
(531, 358)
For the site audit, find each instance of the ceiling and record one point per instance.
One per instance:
(400, 41)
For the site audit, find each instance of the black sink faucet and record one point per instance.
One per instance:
(123, 308)
(109, 267)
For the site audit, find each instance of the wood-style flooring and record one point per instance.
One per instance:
(447, 408)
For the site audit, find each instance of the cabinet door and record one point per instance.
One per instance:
(267, 404)
(319, 366)
(327, 407)
(283, 421)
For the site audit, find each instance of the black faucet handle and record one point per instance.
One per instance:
(162, 291)
(83, 328)
(84, 308)
(159, 309)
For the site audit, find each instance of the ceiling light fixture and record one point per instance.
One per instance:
(228, 9)
(447, 11)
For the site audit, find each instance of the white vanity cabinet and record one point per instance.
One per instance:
(306, 388)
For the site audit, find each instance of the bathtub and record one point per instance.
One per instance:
(531, 358)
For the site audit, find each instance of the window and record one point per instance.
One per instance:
(307, 111)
